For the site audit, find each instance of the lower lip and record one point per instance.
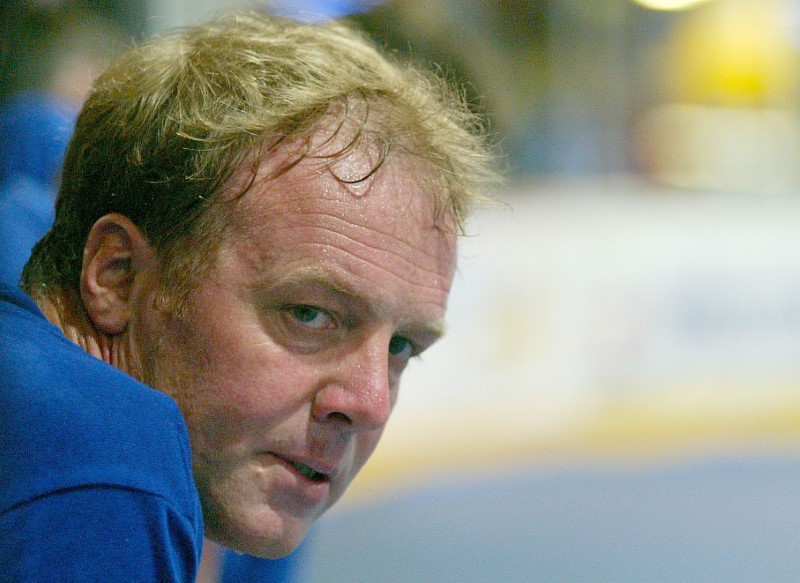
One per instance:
(313, 490)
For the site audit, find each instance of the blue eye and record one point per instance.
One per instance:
(310, 316)
(401, 348)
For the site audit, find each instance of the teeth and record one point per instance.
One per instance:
(308, 472)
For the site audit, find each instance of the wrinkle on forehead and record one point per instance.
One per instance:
(307, 213)
(331, 179)
(385, 249)
(350, 145)
(386, 222)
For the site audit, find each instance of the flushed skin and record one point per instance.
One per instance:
(288, 358)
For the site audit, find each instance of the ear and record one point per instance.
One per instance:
(116, 252)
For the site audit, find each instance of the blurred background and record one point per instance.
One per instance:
(618, 395)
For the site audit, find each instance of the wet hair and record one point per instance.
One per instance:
(168, 124)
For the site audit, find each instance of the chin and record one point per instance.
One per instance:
(263, 550)
(259, 541)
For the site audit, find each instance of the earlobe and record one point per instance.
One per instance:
(115, 252)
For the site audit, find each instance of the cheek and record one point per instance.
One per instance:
(365, 445)
(247, 390)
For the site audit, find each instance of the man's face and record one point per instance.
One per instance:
(288, 361)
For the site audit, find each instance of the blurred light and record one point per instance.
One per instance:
(736, 54)
(669, 4)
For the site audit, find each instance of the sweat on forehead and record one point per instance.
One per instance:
(348, 149)
(400, 184)
(352, 124)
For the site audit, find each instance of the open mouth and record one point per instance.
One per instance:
(309, 473)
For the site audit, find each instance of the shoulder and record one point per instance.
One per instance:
(93, 458)
(98, 533)
(68, 419)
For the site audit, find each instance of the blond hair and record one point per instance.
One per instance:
(169, 122)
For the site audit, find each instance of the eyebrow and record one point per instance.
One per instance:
(313, 275)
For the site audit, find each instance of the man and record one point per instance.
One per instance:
(257, 218)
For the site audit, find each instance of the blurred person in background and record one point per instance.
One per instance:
(51, 56)
(258, 219)
(494, 48)
(34, 131)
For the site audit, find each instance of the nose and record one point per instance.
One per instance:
(358, 392)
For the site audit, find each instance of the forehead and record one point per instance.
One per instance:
(377, 228)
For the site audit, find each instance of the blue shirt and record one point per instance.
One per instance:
(95, 471)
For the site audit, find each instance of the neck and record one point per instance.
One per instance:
(65, 310)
